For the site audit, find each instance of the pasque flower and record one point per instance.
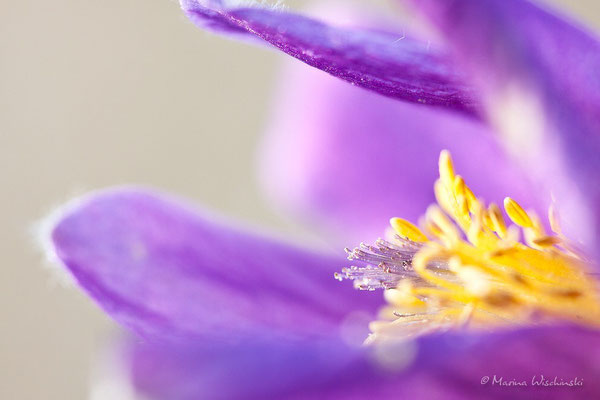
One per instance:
(510, 88)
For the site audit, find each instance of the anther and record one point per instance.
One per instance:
(517, 214)
(407, 230)
(446, 168)
(497, 220)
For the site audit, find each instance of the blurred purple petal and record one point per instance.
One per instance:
(164, 270)
(458, 362)
(250, 371)
(347, 160)
(450, 366)
(387, 63)
(541, 87)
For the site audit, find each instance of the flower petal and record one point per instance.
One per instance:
(164, 270)
(252, 370)
(387, 63)
(347, 160)
(462, 362)
(538, 75)
(449, 366)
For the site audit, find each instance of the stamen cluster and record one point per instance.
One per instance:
(467, 268)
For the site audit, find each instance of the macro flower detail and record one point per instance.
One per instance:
(219, 311)
(482, 278)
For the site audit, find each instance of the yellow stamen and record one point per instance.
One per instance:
(499, 226)
(446, 168)
(407, 230)
(517, 214)
(460, 192)
(489, 279)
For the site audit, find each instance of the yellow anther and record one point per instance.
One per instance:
(499, 226)
(463, 206)
(459, 185)
(443, 196)
(475, 229)
(474, 232)
(433, 229)
(461, 195)
(487, 220)
(471, 199)
(446, 168)
(407, 230)
(517, 214)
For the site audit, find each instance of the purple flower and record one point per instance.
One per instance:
(226, 313)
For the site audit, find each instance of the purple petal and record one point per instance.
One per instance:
(460, 363)
(164, 270)
(347, 160)
(538, 75)
(249, 371)
(387, 63)
(450, 366)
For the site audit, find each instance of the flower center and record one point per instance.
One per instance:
(467, 268)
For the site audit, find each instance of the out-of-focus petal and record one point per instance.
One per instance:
(462, 363)
(347, 160)
(450, 366)
(251, 370)
(538, 75)
(387, 63)
(166, 271)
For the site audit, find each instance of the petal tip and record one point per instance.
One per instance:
(45, 232)
(43, 236)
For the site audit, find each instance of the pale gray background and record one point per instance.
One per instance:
(96, 93)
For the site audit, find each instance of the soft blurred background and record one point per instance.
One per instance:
(101, 93)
